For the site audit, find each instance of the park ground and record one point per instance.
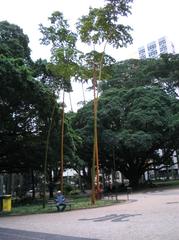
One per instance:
(151, 215)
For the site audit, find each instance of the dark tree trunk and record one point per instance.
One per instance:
(134, 182)
(134, 178)
(33, 184)
(51, 185)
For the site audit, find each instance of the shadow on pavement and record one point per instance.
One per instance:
(172, 202)
(14, 234)
(112, 218)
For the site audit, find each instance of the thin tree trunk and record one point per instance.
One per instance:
(62, 145)
(46, 156)
(93, 197)
(114, 166)
(95, 144)
(51, 184)
(33, 184)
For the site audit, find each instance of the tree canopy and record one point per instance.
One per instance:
(137, 109)
(13, 42)
(24, 119)
(161, 72)
(102, 24)
(133, 125)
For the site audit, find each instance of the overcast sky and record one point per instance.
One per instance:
(150, 19)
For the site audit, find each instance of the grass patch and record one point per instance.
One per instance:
(156, 184)
(77, 203)
(167, 183)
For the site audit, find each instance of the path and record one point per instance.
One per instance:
(150, 216)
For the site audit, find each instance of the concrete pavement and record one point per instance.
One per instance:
(150, 215)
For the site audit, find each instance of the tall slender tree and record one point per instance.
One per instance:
(101, 27)
(63, 64)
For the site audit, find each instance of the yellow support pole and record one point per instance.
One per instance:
(62, 145)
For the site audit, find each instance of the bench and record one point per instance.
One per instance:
(52, 203)
(129, 190)
(112, 196)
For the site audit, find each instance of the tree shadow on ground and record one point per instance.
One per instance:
(112, 218)
(172, 202)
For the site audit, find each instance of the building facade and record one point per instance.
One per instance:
(155, 48)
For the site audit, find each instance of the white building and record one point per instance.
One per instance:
(164, 172)
(155, 48)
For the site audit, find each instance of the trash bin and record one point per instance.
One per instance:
(6, 203)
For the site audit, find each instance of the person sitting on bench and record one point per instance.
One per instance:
(60, 201)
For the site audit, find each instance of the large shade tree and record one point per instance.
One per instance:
(13, 42)
(23, 116)
(130, 73)
(133, 125)
(136, 123)
(161, 72)
(24, 119)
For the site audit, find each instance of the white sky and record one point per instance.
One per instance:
(150, 20)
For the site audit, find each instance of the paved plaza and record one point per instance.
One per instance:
(153, 215)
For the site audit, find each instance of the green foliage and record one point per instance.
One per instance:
(68, 188)
(99, 60)
(161, 72)
(136, 124)
(133, 124)
(58, 32)
(65, 56)
(24, 119)
(72, 141)
(13, 42)
(102, 24)
(165, 71)
(130, 73)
